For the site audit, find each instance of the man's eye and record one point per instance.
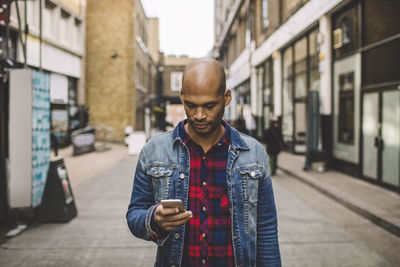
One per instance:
(209, 106)
(189, 105)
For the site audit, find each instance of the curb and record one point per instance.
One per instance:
(381, 222)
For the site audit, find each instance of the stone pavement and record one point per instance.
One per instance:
(98, 236)
(377, 204)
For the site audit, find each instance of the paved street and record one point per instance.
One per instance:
(313, 229)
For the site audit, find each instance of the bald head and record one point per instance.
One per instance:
(205, 69)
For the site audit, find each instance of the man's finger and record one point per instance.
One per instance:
(179, 216)
(175, 224)
(166, 211)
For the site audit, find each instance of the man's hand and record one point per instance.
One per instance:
(168, 219)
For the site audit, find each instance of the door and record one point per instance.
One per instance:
(391, 137)
(381, 137)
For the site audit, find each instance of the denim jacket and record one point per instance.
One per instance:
(162, 172)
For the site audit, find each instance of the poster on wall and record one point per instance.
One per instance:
(40, 134)
(59, 121)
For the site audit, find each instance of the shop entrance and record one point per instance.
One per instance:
(381, 137)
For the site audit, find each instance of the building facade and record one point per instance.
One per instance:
(279, 53)
(122, 56)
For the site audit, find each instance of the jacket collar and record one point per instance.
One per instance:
(236, 140)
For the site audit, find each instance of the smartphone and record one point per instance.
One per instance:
(173, 203)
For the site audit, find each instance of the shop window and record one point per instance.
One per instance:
(382, 64)
(380, 20)
(345, 31)
(346, 108)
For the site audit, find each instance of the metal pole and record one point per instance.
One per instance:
(26, 29)
(40, 34)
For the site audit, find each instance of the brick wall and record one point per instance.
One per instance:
(110, 64)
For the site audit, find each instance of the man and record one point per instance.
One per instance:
(222, 177)
(274, 141)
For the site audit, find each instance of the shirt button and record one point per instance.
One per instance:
(203, 235)
(252, 174)
(182, 176)
(203, 261)
(176, 236)
(204, 183)
(204, 208)
(204, 157)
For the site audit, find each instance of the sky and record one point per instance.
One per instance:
(186, 26)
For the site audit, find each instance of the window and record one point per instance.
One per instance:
(65, 27)
(12, 44)
(176, 81)
(300, 57)
(346, 108)
(49, 22)
(345, 32)
(264, 14)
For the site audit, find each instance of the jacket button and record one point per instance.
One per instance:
(252, 174)
(176, 236)
(173, 265)
(182, 176)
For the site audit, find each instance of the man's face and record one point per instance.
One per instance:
(204, 103)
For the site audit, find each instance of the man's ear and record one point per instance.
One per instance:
(181, 96)
(227, 97)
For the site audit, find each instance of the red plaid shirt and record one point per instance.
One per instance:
(208, 239)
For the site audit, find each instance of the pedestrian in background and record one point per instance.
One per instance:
(219, 174)
(274, 141)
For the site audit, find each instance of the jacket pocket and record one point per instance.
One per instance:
(161, 179)
(251, 177)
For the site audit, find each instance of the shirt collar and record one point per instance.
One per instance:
(225, 139)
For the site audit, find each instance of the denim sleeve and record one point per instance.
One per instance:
(267, 225)
(141, 207)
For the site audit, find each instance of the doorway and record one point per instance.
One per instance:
(381, 137)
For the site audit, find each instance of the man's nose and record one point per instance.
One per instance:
(199, 114)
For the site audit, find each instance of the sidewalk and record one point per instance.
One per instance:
(376, 204)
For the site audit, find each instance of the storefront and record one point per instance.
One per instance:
(366, 63)
(300, 75)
